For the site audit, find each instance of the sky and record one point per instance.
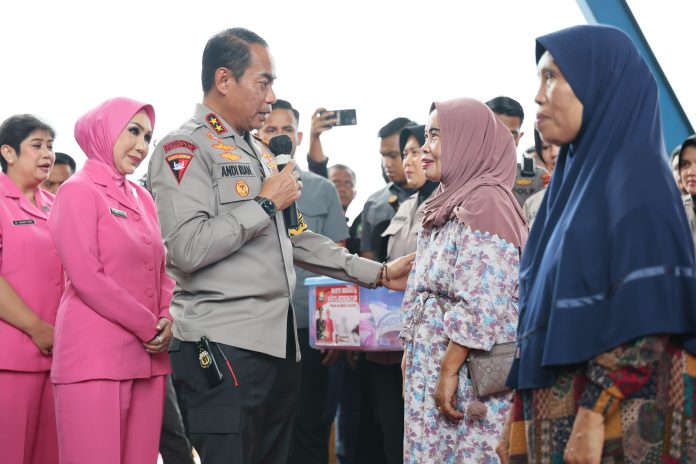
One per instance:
(384, 58)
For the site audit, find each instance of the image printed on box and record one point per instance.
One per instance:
(337, 316)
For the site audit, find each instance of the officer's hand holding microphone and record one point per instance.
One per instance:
(283, 188)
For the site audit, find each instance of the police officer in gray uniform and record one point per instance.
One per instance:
(323, 214)
(381, 206)
(219, 200)
(404, 227)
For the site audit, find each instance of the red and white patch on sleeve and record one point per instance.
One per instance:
(174, 144)
(178, 163)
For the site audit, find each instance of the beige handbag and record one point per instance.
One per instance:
(488, 370)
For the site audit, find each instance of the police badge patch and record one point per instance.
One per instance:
(204, 359)
(178, 163)
(242, 188)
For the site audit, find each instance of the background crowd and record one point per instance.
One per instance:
(455, 200)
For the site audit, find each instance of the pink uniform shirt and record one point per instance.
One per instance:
(117, 289)
(29, 262)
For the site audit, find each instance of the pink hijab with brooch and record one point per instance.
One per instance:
(478, 163)
(97, 130)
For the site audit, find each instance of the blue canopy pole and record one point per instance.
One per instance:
(675, 124)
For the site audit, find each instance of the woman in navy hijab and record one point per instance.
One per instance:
(607, 326)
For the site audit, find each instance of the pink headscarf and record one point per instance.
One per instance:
(97, 130)
(478, 171)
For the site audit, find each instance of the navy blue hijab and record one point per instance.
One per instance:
(610, 257)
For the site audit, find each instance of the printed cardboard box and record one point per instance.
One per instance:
(343, 315)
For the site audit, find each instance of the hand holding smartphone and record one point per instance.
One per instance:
(323, 120)
(329, 119)
(345, 117)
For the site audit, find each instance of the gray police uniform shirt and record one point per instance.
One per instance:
(404, 228)
(322, 211)
(377, 209)
(531, 206)
(402, 234)
(232, 263)
(525, 187)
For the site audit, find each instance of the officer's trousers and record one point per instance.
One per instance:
(250, 422)
(382, 407)
(174, 446)
(312, 425)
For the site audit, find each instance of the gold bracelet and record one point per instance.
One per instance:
(386, 273)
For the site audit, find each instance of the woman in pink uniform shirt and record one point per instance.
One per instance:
(113, 325)
(31, 283)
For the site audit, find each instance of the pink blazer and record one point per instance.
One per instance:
(30, 263)
(117, 288)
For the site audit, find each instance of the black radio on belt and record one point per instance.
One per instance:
(206, 359)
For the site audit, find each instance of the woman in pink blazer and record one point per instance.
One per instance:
(113, 325)
(31, 283)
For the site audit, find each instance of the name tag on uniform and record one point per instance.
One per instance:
(23, 222)
(118, 212)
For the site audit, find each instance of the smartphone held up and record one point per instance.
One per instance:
(344, 117)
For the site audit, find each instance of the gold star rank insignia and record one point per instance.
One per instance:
(214, 122)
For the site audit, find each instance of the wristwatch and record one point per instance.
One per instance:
(268, 206)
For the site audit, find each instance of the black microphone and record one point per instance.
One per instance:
(281, 146)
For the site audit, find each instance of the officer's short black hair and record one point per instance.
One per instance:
(394, 127)
(62, 158)
(285, 105)
(15, 129)
(506, 106)
(228, 49)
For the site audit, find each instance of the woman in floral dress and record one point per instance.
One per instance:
(462, 291)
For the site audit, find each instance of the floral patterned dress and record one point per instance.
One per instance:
(463, 288)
